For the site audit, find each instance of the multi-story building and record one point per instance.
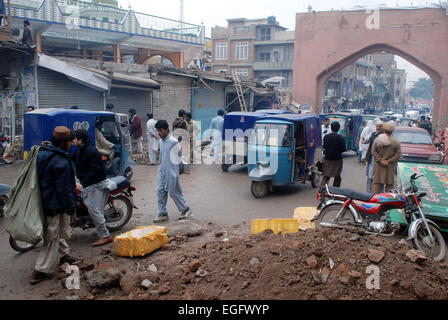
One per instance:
(256, 49)
(372, 82)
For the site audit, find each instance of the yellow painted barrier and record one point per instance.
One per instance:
(276, 225)
(140, 241)
(303, 215)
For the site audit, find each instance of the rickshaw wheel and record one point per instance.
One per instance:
(225, 167)
(315, 179)
(259, 189)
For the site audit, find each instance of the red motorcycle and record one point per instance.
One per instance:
(117, 211)
(369, 213)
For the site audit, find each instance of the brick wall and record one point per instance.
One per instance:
(174, 94)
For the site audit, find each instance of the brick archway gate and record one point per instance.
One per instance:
(326, 42)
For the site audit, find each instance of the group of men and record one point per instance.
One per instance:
(381, 153)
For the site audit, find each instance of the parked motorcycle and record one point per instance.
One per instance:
(441, 147)
(4, 191)
(117, 211)
(369, 213)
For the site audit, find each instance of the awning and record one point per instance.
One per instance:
(75, 73)
(131, 82)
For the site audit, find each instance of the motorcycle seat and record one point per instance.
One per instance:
(352, 194)
(121, 182)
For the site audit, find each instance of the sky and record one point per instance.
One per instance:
(214, 12)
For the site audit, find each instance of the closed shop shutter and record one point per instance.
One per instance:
(57, 91)
(125, 99)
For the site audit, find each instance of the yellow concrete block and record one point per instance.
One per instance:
(276, 225)
(304, 216)
(140, 241)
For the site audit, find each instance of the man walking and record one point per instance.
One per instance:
(334, 146)
(386, 152)
(58, 193)
(153, 139)
(168, 174)
(195, 144)
(94, 184)
(136, 131)
(369, 159)
(216, 128)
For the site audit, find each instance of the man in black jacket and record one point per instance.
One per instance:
(91, 174)
(334, 146)
(58, 192)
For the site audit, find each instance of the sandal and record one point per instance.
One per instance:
(102, 242)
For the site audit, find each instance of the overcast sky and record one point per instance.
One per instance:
(214, 12)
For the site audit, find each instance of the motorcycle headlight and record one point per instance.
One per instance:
(435, 158)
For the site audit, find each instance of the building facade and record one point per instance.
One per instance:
(255, 49)
(372, 82)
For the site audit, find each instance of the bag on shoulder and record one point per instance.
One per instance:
(24, 213)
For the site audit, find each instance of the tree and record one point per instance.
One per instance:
(423, 88)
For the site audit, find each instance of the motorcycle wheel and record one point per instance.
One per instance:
(421, 242)
(329, 213)
(316, 179)
(21, 246)
(259, 189)
(119, 214)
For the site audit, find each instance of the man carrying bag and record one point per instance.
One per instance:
(42, 201)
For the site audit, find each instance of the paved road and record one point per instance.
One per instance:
(223, 198)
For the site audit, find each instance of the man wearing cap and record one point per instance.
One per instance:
(369, 158)
(58, 192)
(136, 130)
(386, 152)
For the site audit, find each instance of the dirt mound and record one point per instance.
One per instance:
(328, 264)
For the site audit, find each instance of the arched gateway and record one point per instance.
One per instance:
(326, 42)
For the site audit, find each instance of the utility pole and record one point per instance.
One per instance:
(181, 15)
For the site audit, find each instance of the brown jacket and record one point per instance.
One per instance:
(391, 153)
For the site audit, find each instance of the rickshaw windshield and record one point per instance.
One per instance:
(109, 129)
(342, 122)
(274, 135)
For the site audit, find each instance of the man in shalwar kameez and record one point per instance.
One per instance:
(168, 174)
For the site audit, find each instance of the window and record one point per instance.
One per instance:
(242, 72)
(221, 51)
(288, 53)
(276, 56)
(265, 56)
(242, 50)
(241, 29)
(265, 34)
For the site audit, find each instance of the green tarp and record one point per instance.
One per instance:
(434, 182)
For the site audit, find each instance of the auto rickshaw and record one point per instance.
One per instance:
(350, 127)
(235, 146)
(284, 150)
(39, 126)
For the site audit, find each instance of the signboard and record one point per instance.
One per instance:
(434, 182)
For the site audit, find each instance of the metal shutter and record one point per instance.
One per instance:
(56, 90)
(125, 99)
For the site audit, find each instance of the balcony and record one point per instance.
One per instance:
(71, 16)
(266, 66)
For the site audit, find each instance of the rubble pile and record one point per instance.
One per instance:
(317, 265)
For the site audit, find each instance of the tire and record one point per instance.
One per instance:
(128, 173)
(329, 213)
(21, 246)
(225, 167)
(437, 254)
(316, 179)
(119, 214)
(259, 189)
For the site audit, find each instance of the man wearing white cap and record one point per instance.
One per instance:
(386, 152)
(369, 158)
